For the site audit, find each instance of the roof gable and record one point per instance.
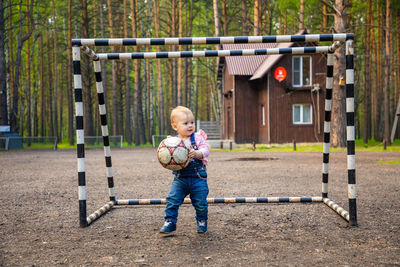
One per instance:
(255, 66)
(246, 65)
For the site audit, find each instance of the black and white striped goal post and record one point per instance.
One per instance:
(337, 40)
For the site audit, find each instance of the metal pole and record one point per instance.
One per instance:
(327, 123)
(104, 128)
(214, 40)
(55, 143)
(225, 200)
(351, 159)
(396, 119)
(80, 136)
(214, 53)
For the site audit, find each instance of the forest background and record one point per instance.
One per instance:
(36, 90)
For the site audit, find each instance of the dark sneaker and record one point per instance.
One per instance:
(202, 226)
(169, 228)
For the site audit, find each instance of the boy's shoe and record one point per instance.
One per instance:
(202, 226)
(169, 228)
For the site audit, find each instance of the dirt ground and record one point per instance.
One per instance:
(39, 223)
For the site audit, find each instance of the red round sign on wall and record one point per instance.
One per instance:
(280, 73)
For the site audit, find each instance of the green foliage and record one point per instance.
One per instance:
(201, 24)
(284, 5)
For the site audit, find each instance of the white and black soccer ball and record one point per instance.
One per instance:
(173, 153)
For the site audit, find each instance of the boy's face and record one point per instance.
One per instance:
(184, 124)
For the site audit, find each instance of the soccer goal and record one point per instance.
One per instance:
(337, 40)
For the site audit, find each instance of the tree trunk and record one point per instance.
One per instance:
(186, 60)
(392, 91)
(10, 59)
(150, 73)
(86, 77)
(179, 63)
(161, 129)
(120, 96)
(173, 61)
(324, 19)
(378, 118)
(28, 82)
(339, 96)
(103, 65)
(196, 90)
(387, 75)
(216, 18)
(35, 105)
(42, 86)
(301, 26)
(3, 82)
(20, 43)
(398, 68)
(224, 19)
(257, 17)
(96, 113)
(215, 96)
(128, 119)
(269, 13)
(55, 80)
(138, 116)
(114, 114)
(367, 91)
(189, 61)
(285, 23)
(69, 76)
(245, 23)
(49, 84)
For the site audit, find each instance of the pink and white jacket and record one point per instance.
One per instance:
(200, 138)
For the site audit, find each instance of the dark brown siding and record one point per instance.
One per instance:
(283, 96)
(262, 87)
(245, 119)
(246, 102)
(228, 105)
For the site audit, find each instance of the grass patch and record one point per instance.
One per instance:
(371, 146)
(389, 161)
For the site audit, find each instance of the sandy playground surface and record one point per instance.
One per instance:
(39, 224)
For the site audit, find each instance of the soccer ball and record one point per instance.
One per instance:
(172, 153)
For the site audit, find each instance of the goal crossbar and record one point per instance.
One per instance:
(305, 38)
(337, 39)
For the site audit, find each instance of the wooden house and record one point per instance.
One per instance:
(259, 108)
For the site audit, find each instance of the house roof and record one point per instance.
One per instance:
(269, 62)
(254, 66)
(245, 65)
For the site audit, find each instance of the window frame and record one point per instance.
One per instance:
(301, 71)
(302, 114)
(263, 119)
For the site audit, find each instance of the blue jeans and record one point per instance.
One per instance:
(185, 183)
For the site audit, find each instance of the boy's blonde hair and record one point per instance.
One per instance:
(177, 110)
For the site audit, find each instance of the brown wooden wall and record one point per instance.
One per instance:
(283, 96)
(249, 96)
(228, 129)
(261, 86)
(246, 102)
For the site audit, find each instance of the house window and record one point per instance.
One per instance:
(302, 114)
(301, 71)
(262, 115)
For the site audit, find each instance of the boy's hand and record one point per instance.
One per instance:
(195, 154)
